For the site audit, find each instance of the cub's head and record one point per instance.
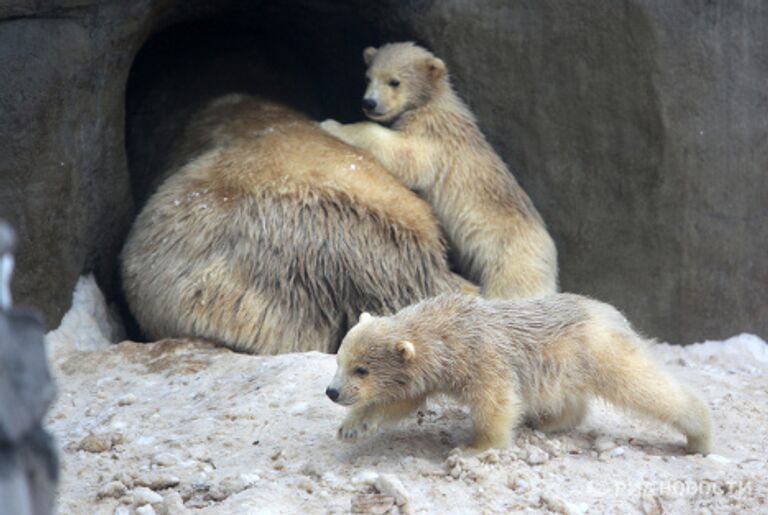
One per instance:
(401, 77)
(374, 364)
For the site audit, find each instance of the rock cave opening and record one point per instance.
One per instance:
(180, 69)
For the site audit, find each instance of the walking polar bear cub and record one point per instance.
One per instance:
(509, 360)
(270, 235)
(435, 147)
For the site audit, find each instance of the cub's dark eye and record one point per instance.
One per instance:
(394, 83)
(361, 371)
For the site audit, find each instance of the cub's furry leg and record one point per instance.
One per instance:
(408, 158)
(494, 415)
(572, 413)
(365, 421)
(626, 375)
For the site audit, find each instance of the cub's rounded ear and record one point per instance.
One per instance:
(364, 317)
(406, 350)
(435, 68)
(368, 55)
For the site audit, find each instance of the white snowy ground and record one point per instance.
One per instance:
(182, 426)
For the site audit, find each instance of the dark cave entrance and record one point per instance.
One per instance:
(309, 58)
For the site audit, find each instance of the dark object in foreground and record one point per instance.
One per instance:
(28, 461)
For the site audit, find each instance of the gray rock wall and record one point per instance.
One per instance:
(63, 176)
(638, 128)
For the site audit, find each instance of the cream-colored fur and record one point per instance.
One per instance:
(436, 148)
(269, 235)
(509, 360)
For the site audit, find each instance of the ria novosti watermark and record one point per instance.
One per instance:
(679, 488)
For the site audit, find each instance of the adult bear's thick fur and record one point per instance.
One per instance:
(269, 235)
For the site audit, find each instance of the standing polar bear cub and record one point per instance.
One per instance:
(434, 146)
(509, 360)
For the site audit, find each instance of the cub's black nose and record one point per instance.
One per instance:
(369, 104)
(332, 393)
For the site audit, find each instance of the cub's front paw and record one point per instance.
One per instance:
(331, 127)
(356, 428)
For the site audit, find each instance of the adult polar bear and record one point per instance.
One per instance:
(269, 236)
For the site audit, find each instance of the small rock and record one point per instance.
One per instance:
(143, 495)
(200, 453)
(372, 503)
(311, 469)
(452, 460)
(718, 459)
(558, 505)
(165, 459)
(298, 409)
(126, 400)
(456, 471)
(515, 482)
(96, 443)
(491, 456)
(536, 456)
(124, 478)
(389, 484)
(147, 509)
(122, 510)
(618, 451)
(217, 494)
(306, 484)
(249, 479)
(174, 504)
(552, 447)
(477, 475)
(276, 454)
(157, 481)
(365, 477)
(604, 444)
(114, 489)
(331, 479)
(278, 465)
(651, 505)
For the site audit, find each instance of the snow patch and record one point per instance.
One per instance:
(88, 325)
(737, 348)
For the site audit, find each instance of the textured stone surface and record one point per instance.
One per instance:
(63, 176)
(637, 127)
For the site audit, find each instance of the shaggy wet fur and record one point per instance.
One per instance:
(270, 235)
(538, 359)
(434, 146)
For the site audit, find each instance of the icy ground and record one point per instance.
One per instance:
(181, 426)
